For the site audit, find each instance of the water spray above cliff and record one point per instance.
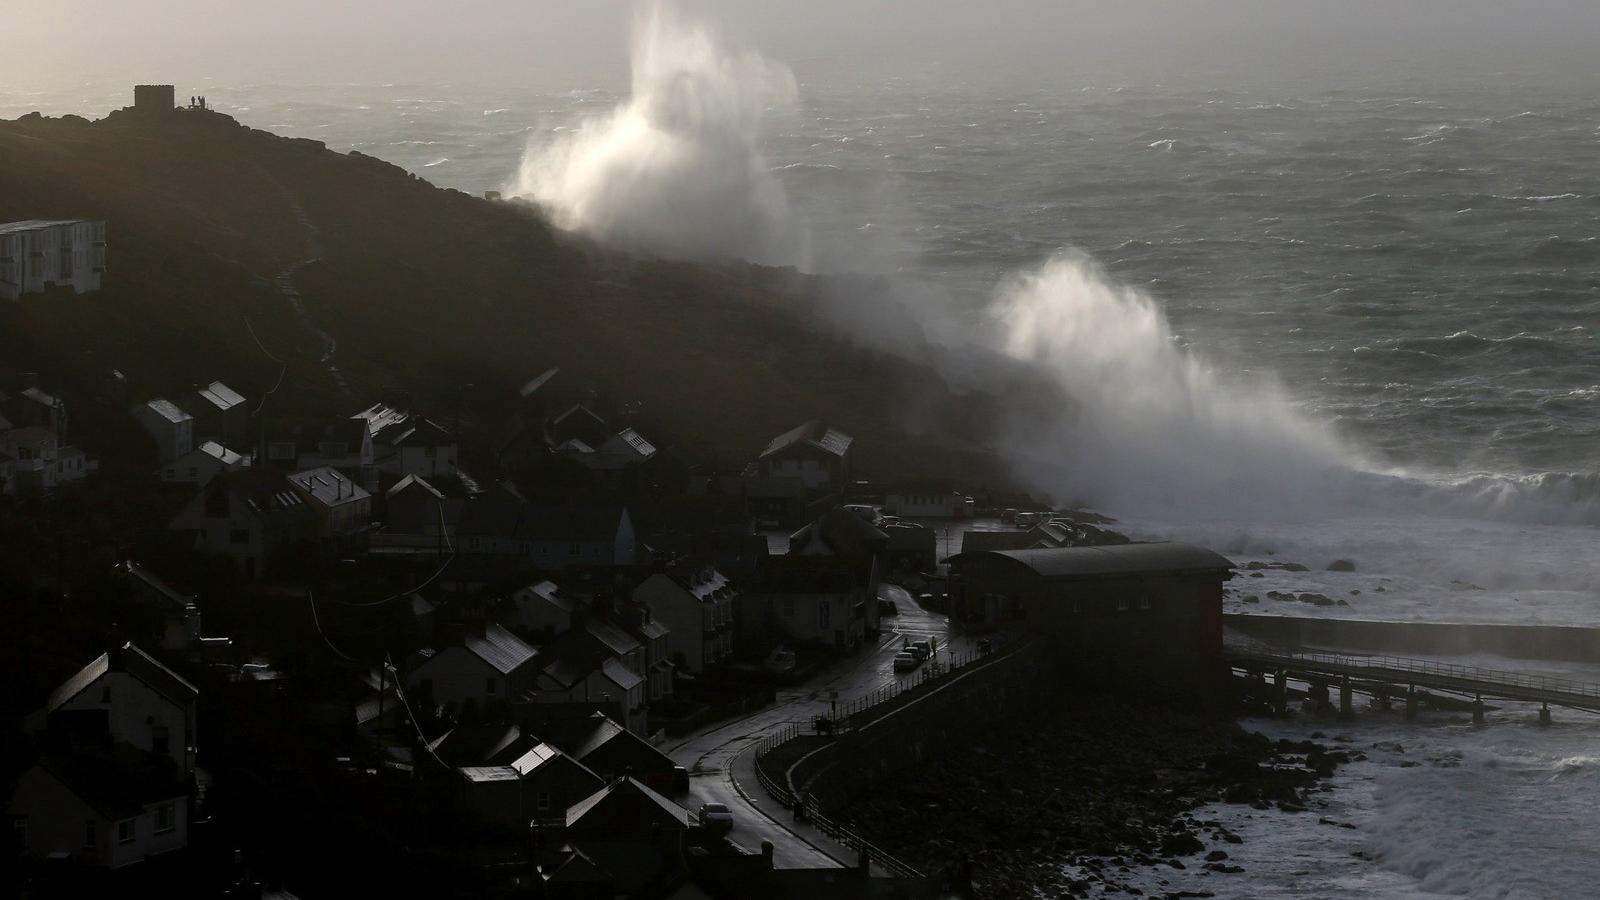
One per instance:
(676, 169)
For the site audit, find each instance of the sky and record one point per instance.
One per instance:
(47, 42)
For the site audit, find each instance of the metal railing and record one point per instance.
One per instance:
(1424, 671)
(852, 841)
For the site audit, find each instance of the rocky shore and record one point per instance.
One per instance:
(1074, 799)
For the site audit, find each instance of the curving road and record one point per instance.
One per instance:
(722, 767)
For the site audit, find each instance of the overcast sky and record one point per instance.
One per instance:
(579, 41)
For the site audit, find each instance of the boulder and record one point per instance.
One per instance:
(1341, 565)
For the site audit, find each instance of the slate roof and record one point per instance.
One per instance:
(118, 783)
(629, 804)
(840, 532)
(500, 648)
(168, 410)
(615, 639)
(380, 416)
(816, 434)
(487, 774)
(327, 486)
(221, 397)
(620, 674)
(423, 433)
(165, 594)
(263, 490)
(551, 594)
(36, 224)
(219, 453)
(533, 385)
(487, 744)
(411, 481)
(1120, 559)
(135, 662)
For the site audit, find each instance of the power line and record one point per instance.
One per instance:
(445, 533)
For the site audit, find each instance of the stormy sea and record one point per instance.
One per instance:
(1344, 317)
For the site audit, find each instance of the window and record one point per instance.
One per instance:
(788, 606)
(823, 611)
(491, 686)
(332, 448)
(125, 831)
(239, 536)
(91, 835)
(542, 801)
(429, 452)
(194, 472)
(166, 818)
(1144, 602)
(160, 742)
(1077, 607)
(1122, 604)
(576, 549)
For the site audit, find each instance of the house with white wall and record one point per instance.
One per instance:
(251, 515)
(37, 254)
(544, 608)
(131, 698)
(104, 809)
(219, 413)
(341, 506)
(927, 503)
(696, 607)
(814, 452)
(170, 427)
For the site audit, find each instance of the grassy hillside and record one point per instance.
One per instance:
(426, 290)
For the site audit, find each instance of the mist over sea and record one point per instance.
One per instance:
(1362, 310)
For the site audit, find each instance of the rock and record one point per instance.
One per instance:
(1225, 868)
(1181, 843)
(1293, 567)
(1257, 575)
(1255, 565)
(1380, 589)
(1316, 599)
(1216, 856)
(1250, 598)
(1355, 593)
(1341, 565)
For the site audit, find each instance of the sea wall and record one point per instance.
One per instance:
(1547, 642)
(956, 711)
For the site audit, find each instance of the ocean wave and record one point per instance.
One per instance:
(438, 162)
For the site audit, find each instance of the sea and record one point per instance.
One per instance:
(1348, 317)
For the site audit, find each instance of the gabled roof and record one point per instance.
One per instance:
(550, 593)
(423, 433)
(157, 589)
(168, 410)
(486, 774)
(837, 532)
(533, 385)
(381, 416)
(263, 490)
(814, 434)
(37, 224)
(41, 398)
(117, 783)
(573, 445)
(577, 410)
(135, 662)
(220, 397)
(1120, 559)
(501, 649)
(615, 639)
(413, 482)
(626, 805)
(488, 744)
(620, 675)
(328, 486)
(219, 453)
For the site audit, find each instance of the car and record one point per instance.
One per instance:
(1026, 519)
(905, 662)
(866, 511)
(780, 661)
(887, 608)
(923, 648)
(716, 816)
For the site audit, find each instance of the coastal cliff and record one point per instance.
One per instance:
(238, 254)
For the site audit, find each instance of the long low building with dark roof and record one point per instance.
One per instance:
(1158, 598)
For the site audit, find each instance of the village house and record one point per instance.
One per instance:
(579, 423)
(202, 464)
(815, 453)
(551, 538)
(33, 458)
(251, 515)
(342, 507)
(179, 613)
(609, 750)
(824, 590)
(102, 808)
(219, 414)
(170, 427)
(424, 449)
(696, 607)
(343, 444)
(417, 518)
(38, 254)
(537, 786)
(928, 503)
(128, 697)
(490, 666)
(614, 843)
(576, 669)
(654, 637)
(542, 608)
(1161, 600)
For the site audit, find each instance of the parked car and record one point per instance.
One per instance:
(1026, 519)
(1009, 514)
(716, 816)
(905, 661)
(780, 661)
(923, 648)
(887, 608)
(864, 510)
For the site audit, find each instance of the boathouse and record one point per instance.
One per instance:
(1159, 598)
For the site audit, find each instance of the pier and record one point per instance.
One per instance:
(1388, 679)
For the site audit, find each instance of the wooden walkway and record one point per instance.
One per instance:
(1367, 673)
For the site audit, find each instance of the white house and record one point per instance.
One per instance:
(491, 666)
(543, 607)
(179, 612)
(130, 697)
(817, 454)
(423, 449)
(39, 253)
(170, 427)
(552, 537)
(202, 464)
(570, 678)
(928, 504)
(342, 507)
(103, 810)
(219, 413)
(697, 610)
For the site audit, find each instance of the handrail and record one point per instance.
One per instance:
(854, 841)
(1428, 668)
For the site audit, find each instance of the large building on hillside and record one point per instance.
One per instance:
(1161, 600)
(36, 254)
